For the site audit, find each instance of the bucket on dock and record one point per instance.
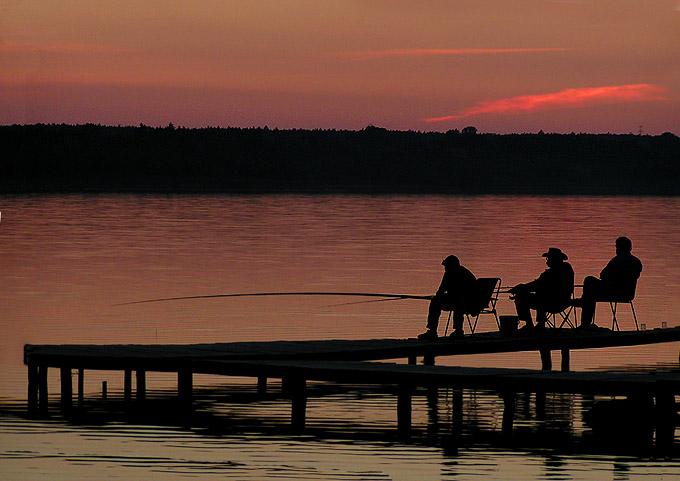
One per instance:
(508, 324)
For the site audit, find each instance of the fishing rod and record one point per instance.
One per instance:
(362, 302)
(262, 294)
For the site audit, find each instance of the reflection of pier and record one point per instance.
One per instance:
(296, 362)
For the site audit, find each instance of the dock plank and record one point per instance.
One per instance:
(591, 382)
(159, 356)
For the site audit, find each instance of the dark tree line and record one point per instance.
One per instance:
(94, 158)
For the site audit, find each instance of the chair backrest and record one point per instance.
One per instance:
(627, 293)
(484, 292)
(623, 291)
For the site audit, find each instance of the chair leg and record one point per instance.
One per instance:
(634, 316)
(472, 327)
(550, 319)
(447, 324)
(565, 317)
(615, 323)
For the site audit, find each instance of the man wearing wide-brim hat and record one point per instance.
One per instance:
(550, 292)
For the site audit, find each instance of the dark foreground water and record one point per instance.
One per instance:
(66, 260)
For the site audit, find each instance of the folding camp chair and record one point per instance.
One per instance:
(615, 323)
(483, 301)
(564, 315)
(624, 298)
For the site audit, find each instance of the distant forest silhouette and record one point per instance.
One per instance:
(95, 158)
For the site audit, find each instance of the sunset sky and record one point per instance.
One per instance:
(501, 66)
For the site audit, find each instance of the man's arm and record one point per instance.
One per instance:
(443, 285)
(609, 270)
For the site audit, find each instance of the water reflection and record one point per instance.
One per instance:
(460, 432)
(66, 259)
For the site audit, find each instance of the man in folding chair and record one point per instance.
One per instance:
(550, 292)
(617, 280)
(454, 290)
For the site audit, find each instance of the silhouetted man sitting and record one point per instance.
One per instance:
(550, 292)
(453, 293)
(617, 281)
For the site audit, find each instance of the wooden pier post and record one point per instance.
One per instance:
(261, 385)
(432, 412)
(509, 406)
(66, 389)
(665, 405)
(185, 387)
(456, 413)
(141, 386)
(298, 388)
(546, 360)
(405, 392)
(540, 405)
(127, 386)
(81, 387)
(286, 386)
(43, 394)
(412, 360)
(665, 413)
(428, 360)
(33, 389)
(565, 360)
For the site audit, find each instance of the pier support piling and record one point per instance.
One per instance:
(404, 395)
(33, 389)
(185, 387)
(540, 405)
(286, 386)
(432, 412)
(262, 385)
(298, 387)
(546, 360)
(666, 408)
(43, 394)
(509, 406)
(565, 360)
(81, 387)
(456, 414)
(127, 386)
(141, 386)
(66, 389)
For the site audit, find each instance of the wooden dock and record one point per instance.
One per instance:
(344, 361)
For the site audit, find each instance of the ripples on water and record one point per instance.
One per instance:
(66, 259)
(243, 440)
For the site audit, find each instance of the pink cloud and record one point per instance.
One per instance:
(366, 55)
(566, 99)
(64, 47)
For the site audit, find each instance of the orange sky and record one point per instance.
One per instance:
(502, 66)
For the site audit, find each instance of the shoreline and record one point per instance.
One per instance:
(99, 159)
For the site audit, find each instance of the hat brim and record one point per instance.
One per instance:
(555, 255)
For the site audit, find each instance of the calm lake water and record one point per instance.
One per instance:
(68, 260)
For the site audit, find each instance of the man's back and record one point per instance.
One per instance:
(457, 279)
(622, 273)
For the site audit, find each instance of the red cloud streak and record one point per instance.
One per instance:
(413, 52)
(566, 99)
(65, 47)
